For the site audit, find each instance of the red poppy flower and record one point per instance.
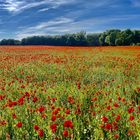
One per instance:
(41, 109)
(108, 126)
(68, 111)
(43, 116)
(116, 105)
(118, 118)
(35, 99)
(68, 124)
(11, 104)
(2, 122)
(53, 118)
(109, 107)
(56, 111)
(54, 99)
(41, 133)
(71, 100)
(27, 95)
(65, 133)
(79, 85)
(130, 110)
(131, 118)
(119, 98)
(14, 116)
(104, 119)
(21, 101)
(116, 136)
(94, 99)
(2, 97)
(19, 124)
(53, 127)
(36, 127)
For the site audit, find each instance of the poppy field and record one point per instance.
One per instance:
(60, 93)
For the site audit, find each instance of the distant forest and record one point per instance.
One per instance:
(112, 37)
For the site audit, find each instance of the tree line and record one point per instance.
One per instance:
(112, 37)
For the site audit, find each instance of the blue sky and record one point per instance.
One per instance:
(22, 18)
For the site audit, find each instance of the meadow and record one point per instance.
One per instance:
(69, 93)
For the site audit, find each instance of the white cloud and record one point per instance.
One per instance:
(12, 5)
(17, 6)
(64, 25)
(43, 28)
(48, 8)
(44, 9)
(55, 22)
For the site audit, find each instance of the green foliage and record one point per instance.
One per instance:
(96, 90)
(93, 39)
(112, 37)
(102, 39)
(9, 42)
(128, 37)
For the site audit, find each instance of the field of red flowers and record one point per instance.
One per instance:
(59, 93)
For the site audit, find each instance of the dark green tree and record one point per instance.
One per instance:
(111, 37)
(102, 38)
(93, 39)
